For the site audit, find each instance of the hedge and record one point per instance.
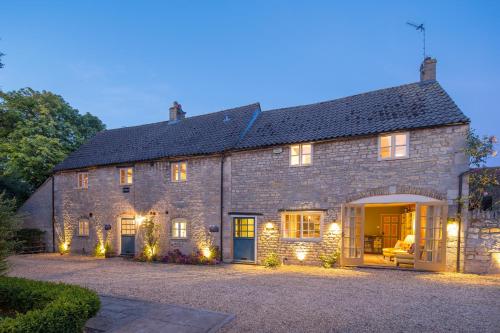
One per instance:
(45, 306)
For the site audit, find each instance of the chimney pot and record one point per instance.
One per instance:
(176, 112)
(428, 69)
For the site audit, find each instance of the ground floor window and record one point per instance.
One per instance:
(83, 228)
(179, 228)
(301, 225)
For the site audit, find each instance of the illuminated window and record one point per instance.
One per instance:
(83, 228)
(244, 227)
(179, 228)
(179, 171)
(302, 225)
(393, 146)
(83, 180)
(301, 154)
(126, 176)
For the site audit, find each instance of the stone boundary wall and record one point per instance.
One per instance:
(482, 245)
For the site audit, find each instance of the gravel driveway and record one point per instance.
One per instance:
(292, 298)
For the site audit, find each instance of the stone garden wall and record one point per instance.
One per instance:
(482, 244)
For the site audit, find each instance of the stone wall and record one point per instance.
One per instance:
(36, 212)
(482, 244)
(263, 182)
(152, 193)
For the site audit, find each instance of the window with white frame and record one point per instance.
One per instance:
(179, 228)
(179, 171)
(126, 176)
(301, 225)
(83, 180)
(393, 146)
(301, 154)
(83, 228)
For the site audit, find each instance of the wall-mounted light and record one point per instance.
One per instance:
(334, 228)
(452, 228)
(139, 219)
(269, 226)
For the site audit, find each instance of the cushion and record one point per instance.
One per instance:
(411, 250)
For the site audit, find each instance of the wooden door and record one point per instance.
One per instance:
(390, 229)
(430, 236)
(353, 220)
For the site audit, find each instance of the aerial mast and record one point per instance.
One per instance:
(420, 28)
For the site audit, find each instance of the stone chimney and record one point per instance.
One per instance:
(428, 69)
(176, 112)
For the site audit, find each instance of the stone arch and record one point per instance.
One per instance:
(396, 189)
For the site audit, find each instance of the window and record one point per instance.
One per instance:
(179, 228)
(244, 227)
(83, 228)
(393, 146)
(301, 154)
(179, 171)
(83, 180)
(303, 225)
(126, 176)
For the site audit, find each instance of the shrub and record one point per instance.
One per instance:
(99, 250)
(108, 250)
(196, 258)
(45, 306)
(272, 260)
(329, 260)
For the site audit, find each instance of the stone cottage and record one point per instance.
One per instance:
(374, 177)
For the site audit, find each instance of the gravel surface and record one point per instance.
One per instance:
(291, 298)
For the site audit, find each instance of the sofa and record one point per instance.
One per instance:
(400, 247)
(407, 257)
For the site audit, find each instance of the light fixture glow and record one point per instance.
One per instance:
(269, 226)
(335, 228)
(206, 252)
(452, 229)
(139, 219)
(301, 254)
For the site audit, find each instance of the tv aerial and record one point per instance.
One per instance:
(420, 28)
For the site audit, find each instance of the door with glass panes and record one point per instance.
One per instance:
(352, 234)
(430, 236)
(244, 238)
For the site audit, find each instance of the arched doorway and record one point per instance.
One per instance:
(411, 231)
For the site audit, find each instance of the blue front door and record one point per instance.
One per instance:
(244, 238)
(128, 237)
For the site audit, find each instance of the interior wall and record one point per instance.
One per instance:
(373, 225)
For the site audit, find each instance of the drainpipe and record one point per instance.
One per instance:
(53, 218)
(221, 206)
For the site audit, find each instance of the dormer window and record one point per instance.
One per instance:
(83, 180)
(301, 154)
(393, 146)
(179, 171)
(126, 176)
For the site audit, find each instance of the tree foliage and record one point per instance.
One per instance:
(9, 222)
(37, 131)
(481, 179)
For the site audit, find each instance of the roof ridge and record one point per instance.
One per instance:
(195, 116)
(360, 94)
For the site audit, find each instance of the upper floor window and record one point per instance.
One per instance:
(83, 180)
(301, 225)
(179, 228)
(301, 154)
(126, 176)
(393, 146)
(179, 171)
(83, 228)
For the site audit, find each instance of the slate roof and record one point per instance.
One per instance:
(415, 105)
(206, 134)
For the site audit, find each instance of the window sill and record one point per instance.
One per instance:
(83, 236)
(393, 158)
(299, 240)
(300, 165)
(179, 238)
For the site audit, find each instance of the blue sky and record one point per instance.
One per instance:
(126, 61)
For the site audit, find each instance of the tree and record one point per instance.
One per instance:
(9, 223)
(37, 131)
(481, 179)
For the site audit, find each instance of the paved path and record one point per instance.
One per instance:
(126, 315)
